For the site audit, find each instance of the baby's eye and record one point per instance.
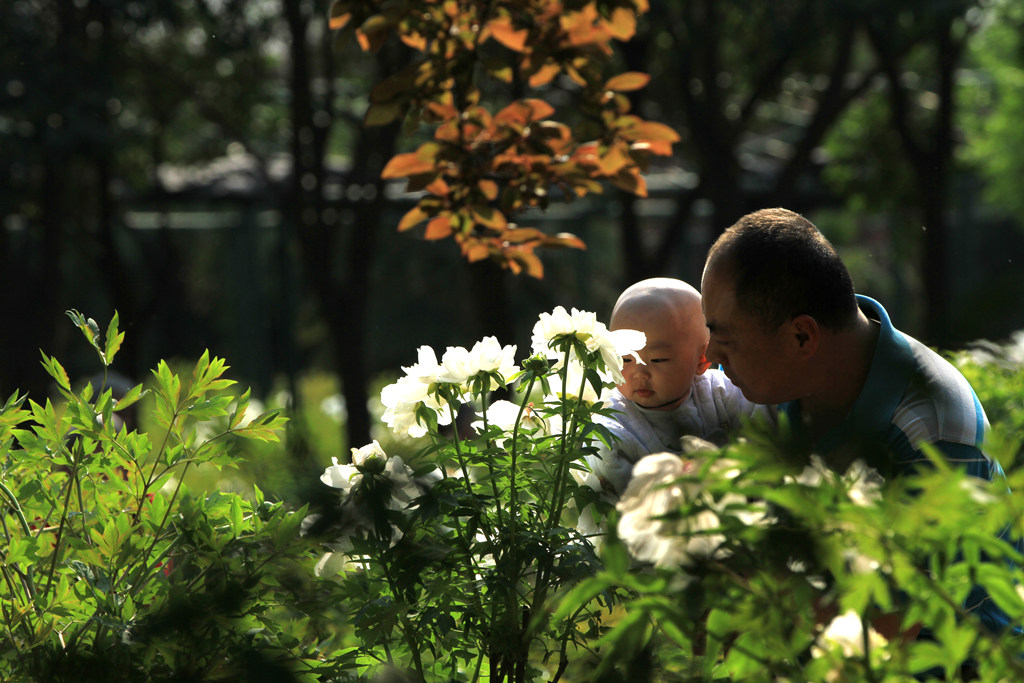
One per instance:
(660, 360)
(627, 359)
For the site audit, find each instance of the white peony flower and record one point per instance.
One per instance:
(976, 489)
(340, 476)
(371, 450)
(403, 398)
(864, 484)
(654, 491)
(812, 475)
(583, 325)
(403, 488)
(846, 632)
(456, 366)
(488, 355)
(616, 344)
(503, 414)
(550, 326)
(426, 367)
(860, 564)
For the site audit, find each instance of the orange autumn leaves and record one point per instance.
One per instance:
(482, 170)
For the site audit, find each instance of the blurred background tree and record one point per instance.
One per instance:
(202, 166)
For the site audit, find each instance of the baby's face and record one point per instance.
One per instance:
(674, 355)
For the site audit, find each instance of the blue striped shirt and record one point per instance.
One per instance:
(912, 396)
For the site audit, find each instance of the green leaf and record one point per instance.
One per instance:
(56, 370)
(210, 408)
(89, 329)
(264, 427)
(113, 340)
(130, 398)
(240, 407)
(168, 385)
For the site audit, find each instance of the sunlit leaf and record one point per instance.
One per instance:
(614, 160)
(439, 228)
(631, 80)
(506, 34)
(630, 180)
(492, 218)
(475, 251)
(622, 24)
(438, 186)
(544, 74)
(526, 259)
(659, 147)
(413, 217)
(414, 40)
(372, 34)
(651, 131)
(564, 240)
(520, 235)
(339, 15)
(406, 164)
(489, 188)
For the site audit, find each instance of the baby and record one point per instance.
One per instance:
(671, 392)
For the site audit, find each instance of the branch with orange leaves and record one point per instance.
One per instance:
(482, 169)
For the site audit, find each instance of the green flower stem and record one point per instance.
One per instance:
(561, 444)
(563, 657)
(27, 578)
(490, 461)
(565, 451)
(142, 563)
(16, 506)
(513, 516)
(408, 630)
(58, 541)
(485, 527)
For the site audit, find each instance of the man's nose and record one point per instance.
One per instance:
(713, 355)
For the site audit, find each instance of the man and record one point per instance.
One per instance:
(787, 328)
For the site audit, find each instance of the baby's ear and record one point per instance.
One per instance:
(703, 364)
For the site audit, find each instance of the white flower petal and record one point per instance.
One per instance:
(371, 450)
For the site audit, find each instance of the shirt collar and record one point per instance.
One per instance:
(890, 370)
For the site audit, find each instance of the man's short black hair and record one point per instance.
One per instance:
(782, 266)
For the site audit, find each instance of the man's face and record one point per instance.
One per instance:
(758, 361)
(672, 357)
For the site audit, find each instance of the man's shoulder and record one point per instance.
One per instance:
(939, 403)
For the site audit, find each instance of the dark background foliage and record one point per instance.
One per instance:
(202, 168)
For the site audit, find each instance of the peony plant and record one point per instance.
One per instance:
(748, 563)
(453, 558)
(469, 558)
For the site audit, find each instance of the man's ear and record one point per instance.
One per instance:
(806, 333)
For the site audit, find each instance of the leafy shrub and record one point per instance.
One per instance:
(112, 570)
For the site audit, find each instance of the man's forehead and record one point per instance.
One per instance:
(719, 302)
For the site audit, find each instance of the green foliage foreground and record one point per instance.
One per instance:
(464, 558)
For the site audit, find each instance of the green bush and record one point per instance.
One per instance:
(463, 558)
(112, 570)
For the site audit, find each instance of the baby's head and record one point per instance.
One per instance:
(668, 311)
